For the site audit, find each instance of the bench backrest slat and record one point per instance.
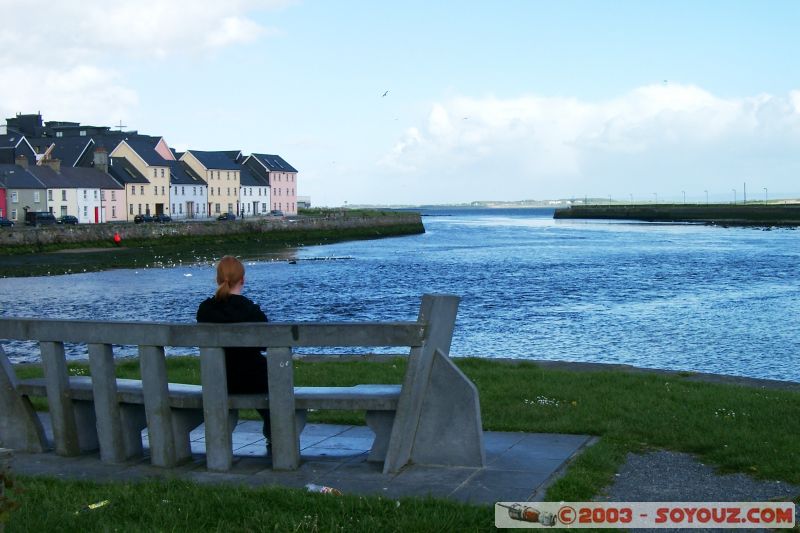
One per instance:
(255, 334)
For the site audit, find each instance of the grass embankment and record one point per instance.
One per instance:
(722, 214)
(738, 429)
(168, 251)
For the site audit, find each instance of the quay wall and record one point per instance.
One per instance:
(377, 224)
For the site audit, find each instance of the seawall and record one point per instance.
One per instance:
(359, 225)
(723, 214)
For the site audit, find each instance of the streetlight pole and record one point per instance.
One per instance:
(706, 191)
(765, 196)
(684, 197)
(734, 196)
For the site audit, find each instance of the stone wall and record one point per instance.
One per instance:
(25, 236)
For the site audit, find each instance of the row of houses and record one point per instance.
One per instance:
(100, 175)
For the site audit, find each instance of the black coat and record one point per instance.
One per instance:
(246, 367)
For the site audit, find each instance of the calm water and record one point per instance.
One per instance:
(687, 297)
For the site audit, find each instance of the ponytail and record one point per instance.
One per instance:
(230, 271)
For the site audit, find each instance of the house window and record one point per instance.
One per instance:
(84, 194)
(155, 172)
(229, 191)
(194, 191)
(13, 214)
(102, 195)
(133, 189)
(155, 190)
(162, 191)
(14, 197)
(216, 208)
(95, 194)
(229, 175)
(173, 208)
(141, 189)
(140, 209)
(131, 208)
(230, 208)
(63, 195)
(50, 195)
(113, 211)
(85, 214)
(218, 193)
(211, 190)
(180, 209)
(83, 133)
(36, 197)
(59, 134)
(113, 195)
(162, 172)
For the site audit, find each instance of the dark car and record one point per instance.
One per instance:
(39, 218)
(138, 219)
(68, 219)
(276, 213)
(4, 222)
(162, 218)
(226, 216)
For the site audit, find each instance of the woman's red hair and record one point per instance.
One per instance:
(230, 271)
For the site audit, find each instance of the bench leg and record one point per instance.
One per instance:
(20, 428)
(133, 421)
(183, 422)
(86, 424)
(380, 422)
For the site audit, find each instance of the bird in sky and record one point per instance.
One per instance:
(384, 94)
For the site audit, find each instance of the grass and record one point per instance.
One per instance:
(738, 429)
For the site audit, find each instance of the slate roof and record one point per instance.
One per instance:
(122, 171)
(181, 174)
(274, 163)
(249, 178)
(145, 147)
(214, 160)
(14, 176)
(67, 149)
(73, 178)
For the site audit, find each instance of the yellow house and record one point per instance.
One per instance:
(222, 176)
(151, 198)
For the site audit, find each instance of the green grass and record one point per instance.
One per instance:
(737, 429)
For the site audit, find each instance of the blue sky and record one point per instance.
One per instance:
(487, 100)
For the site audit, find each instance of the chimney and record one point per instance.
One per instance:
(101, 159)
(21, 161)
(55, 164)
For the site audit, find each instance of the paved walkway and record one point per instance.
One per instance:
(519, 466)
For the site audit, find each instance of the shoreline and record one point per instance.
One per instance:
(758, 215)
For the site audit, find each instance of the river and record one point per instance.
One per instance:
(675, 296)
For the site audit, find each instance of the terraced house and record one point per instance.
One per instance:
(151, 198)
(282, 179)
(222, 176)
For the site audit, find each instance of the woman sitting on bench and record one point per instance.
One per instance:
(246, 367)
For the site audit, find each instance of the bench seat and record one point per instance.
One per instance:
(187, 396)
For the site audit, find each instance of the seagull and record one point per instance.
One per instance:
(384, 94)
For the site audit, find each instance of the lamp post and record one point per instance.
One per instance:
(706, 191)
(765, 196)
(684, 197)
(734, 196)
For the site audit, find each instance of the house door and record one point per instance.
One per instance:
(159, 209)
(190, 209)
(96, 214)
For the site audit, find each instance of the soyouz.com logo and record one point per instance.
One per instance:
(727, 515)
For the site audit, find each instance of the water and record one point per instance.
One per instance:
(675, 296)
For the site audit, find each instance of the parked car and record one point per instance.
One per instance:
(4, 222)
(276, 213)
(138, 219)
(68, 219)
(226, 216)
(162, 218)
(39, 218)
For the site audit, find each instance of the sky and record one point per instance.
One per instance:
(420, 102)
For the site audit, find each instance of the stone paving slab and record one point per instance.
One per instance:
(519, 466)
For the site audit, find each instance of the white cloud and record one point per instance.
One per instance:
(543, 145)
(67, 58)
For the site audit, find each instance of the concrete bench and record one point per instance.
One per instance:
(432, 418)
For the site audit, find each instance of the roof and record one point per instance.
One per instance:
(18, 177)
(248, 178)
(181, 174)
(274, 163)
(73, 178)
(214, 160)
(67, 149)
(122, 170)
(144, 146)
